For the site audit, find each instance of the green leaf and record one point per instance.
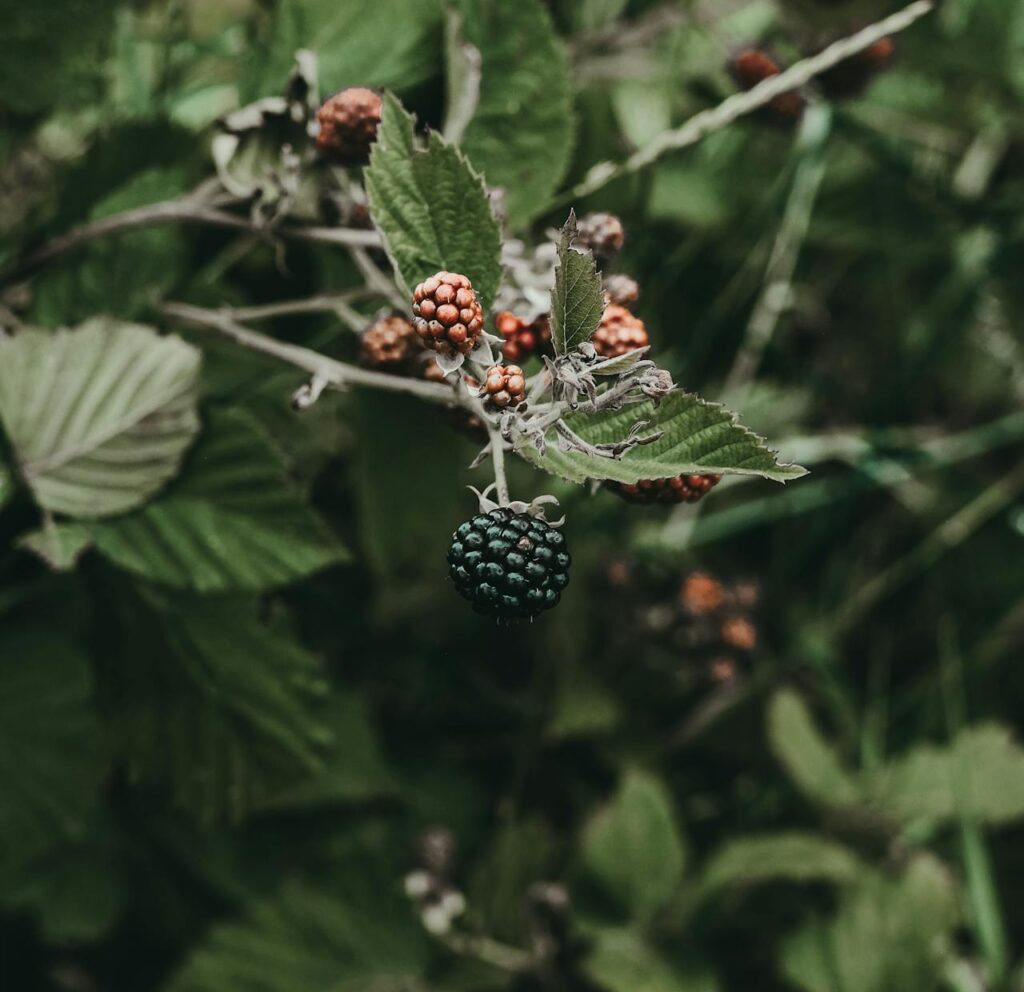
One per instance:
(980, 777)
(59, 545)
(353, 933)
(699, 437)
(6, 485)
(621, 960)
(521, 135)
(888, 934)
(577, 299)
(634, 848)
(809, 759)
(211, 705)
(231, 522)
(793, 857)
(51, 752)
(390, 43)
(431, 208)
(99, 417)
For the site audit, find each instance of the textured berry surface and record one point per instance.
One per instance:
(678, 489)
(619, 332)
(621, 290)
(602, 233)
(504, 386)
(448, 316)
(752, 66)
(509, 565)
(348, 125)
(390, 343)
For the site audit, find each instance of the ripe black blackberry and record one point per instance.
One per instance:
(678, 489)
(509, 565)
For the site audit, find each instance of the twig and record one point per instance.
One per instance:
(376, 280)
(778, 278)
(337, 303)
(498, 459)
(188, 209)
(325, 370)
(736, 106)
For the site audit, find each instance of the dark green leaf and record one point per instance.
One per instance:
(577, 298)
(232, 522)
(521, 135)
(431, 208)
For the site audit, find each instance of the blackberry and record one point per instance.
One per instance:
(619, 332)
(447, 315)
(678, 489)
(621, 289)
(752, 66)
(851, 78)
(389, 343)
(602, 233)
(505, 386)
(509, 565)
(348, 125)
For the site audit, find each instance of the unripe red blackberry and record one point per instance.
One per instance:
(752, 66)
(619, 332)
(602, 233)
(504, 386)
(739, 632)
(701, 594)
(678, 489)
(621, 290)
(390, 343)
(509, 565)
(348, 125)
(851, 77)
(448, 316)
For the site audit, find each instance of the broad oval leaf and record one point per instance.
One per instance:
(99, 417)
(577, 298)
(699, 438)
(431, 208)
(59, 545)
(634, 848)
(231, 522)
(521, 135)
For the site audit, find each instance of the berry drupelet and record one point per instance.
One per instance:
(509, 565)
(619, 332)
(348, 125)
(448, 316)
(678, 489)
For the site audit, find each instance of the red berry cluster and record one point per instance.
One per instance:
(602, 233)
(752, 66)
(523, 338)
(389, 343)
(678, 489)
(448, 316)
(348, 125)
(619, 332)
(505, 386)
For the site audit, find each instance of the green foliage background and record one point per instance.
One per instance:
(230, 704)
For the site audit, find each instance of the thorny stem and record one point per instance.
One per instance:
(740, 104)
(325, 370)
(193, 208)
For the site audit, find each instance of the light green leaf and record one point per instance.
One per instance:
(231, 522)
(522, 133)
(351, 935)
(634, 848)
(577, 299)
(59, 545)
(699, 437)
(391, 43)
(810, 760)
(431, 208)
(210, 704)
(621, 960)
(793, 857)
(981, 777)
(51, 752)
(99, 417)
(888, 934)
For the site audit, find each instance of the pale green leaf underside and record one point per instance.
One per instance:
(521, 135)
(430, 206)
(699, 438)
(99, 417)
(232, 522)
(577, 298)
(59, 545)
